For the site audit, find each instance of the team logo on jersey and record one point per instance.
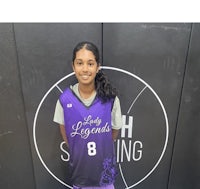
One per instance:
(142, 141)
(69, 105)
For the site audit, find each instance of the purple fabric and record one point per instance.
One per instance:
(103, 187)
(89, 134)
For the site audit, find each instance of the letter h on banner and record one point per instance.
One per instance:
(128, 126)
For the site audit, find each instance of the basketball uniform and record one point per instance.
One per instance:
(89, 134)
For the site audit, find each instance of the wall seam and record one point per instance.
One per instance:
(102, 55)
(23, 101)
(179, 106)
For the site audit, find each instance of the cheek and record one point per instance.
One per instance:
(95, 71)
(76, 69)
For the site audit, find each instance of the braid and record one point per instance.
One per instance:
(104, 89)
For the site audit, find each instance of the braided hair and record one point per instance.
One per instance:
(103, 87)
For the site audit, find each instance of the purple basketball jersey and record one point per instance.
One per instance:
(89, 134)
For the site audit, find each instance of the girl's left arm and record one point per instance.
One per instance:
(116, 118)
(115, 134)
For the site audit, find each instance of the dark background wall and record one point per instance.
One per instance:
(33, 57)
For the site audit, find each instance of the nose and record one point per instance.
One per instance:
(85, 67)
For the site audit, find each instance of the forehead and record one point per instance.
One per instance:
(85, 54)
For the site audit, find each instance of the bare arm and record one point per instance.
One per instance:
(115, 134)
(63, 134)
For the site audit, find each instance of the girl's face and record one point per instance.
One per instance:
(85, 67)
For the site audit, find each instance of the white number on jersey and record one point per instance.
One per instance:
(91, 148)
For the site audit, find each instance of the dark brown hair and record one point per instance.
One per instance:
(104, 89)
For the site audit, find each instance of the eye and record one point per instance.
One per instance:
(79, 63)
(91, 63)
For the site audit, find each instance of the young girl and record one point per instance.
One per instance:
(89, 115)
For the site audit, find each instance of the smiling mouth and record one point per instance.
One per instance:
(85, 76)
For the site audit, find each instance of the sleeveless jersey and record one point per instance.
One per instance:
(89, 134)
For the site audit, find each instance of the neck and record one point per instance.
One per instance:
(86, 91)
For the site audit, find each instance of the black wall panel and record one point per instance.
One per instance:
(156, 53)
(15, 155)
(185, 171)
(45, 55)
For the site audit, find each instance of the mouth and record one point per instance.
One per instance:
(85, 77)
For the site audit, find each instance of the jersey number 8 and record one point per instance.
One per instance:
(91, 148)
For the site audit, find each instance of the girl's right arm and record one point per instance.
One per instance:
(63, 133)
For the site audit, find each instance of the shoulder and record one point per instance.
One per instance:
(116, 103)
(70, 88)
(69, 92)
(74, 88)
(64, 94)
(116, 100)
